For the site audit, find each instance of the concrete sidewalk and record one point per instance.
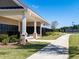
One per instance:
(57, 49)
(34, 40)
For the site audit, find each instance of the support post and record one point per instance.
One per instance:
(41, 30)
(35, 30)
(24, 33)
(19, 26)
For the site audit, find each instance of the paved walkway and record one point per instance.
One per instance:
(34, 40)
(58, 49)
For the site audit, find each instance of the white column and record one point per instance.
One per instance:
(19, 26)
(41, 29)
(24, 25)
(24, 33)
(35, 29)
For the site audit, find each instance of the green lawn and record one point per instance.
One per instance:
(52, 36)
(21, 52)
(74, 46)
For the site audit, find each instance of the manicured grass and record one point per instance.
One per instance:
(74, 46)
(21, 52)
(52, 36)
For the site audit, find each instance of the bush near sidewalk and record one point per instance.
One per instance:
(4, 38)
(51, 35)
(13, 38)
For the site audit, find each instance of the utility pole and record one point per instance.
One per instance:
(73, 23)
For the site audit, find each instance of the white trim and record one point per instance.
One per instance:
(40, 18)
(17, 2)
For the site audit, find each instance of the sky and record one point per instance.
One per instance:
(63, 11)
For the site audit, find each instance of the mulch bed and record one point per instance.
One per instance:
(9, 45)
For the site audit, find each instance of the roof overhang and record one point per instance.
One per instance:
(19, 9)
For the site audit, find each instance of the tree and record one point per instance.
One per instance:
(54, 25)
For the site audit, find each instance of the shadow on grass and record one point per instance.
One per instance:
(73, 51)
(31, 46)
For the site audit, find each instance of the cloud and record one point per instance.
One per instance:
(35, 6)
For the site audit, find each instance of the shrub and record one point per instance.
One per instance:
(52, 33)
(4, 38)
(5, 41)
(55, 33)
(1, 37)
(48, 33)
(13, 38)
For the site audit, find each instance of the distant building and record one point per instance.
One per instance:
(71, 30)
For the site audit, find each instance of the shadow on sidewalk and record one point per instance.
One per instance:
(54, 49)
